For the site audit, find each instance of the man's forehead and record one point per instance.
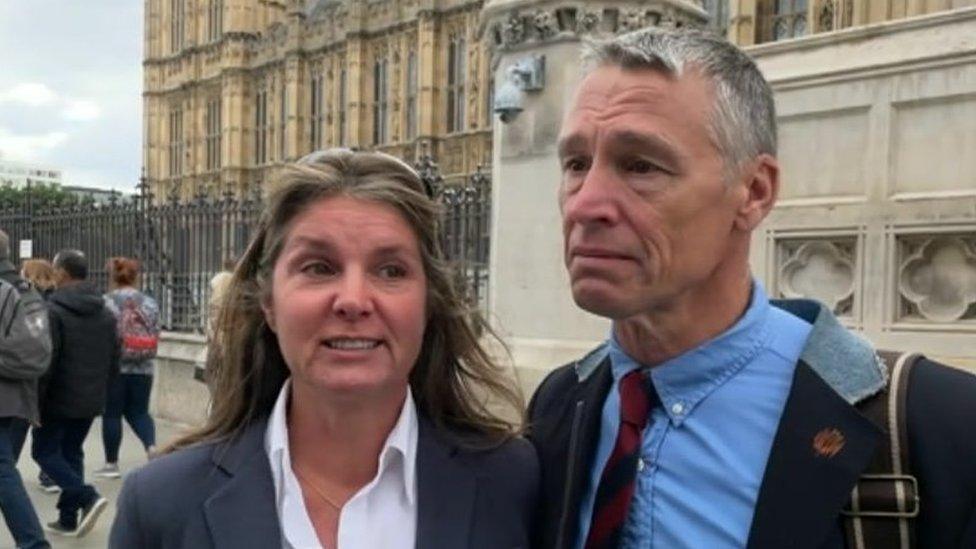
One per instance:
(611, 90)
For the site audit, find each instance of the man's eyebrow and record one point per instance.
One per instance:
(568, 143)
(648, 143)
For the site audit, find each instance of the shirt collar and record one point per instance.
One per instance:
(401, 442)
(685, 380)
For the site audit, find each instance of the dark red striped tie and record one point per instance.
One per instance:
(616, 488)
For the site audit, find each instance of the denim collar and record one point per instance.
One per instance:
(845, 361)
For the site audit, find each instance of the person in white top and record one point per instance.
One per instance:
(349, 390)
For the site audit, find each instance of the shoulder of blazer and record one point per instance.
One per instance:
(196, 468)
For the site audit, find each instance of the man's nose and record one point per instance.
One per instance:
(593, 201)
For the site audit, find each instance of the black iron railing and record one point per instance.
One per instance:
(183, 244)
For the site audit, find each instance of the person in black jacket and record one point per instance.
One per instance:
(73, 391)
(712, 416)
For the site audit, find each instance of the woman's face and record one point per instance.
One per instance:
(348, 299)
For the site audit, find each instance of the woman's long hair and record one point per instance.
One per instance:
(455, 382)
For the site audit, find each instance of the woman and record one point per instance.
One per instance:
(349, 388)
(40, 273)
(137, 317)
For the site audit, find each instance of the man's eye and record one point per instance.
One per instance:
(574, 165)
(642, 167)
(392, 271)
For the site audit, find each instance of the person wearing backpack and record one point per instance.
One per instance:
(137, 317)
(25, 352)
(9, 274)
(85, 355)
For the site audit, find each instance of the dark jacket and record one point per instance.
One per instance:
(221, 495)
(85, 354)
(802, 495)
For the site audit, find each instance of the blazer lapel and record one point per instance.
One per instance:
(821, 447)
(446, 490)
(247, 498)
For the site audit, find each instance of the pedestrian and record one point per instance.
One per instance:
(40, 274)
(8, 273)
(73, 391)
(25, 352)
(711, 417)
(137, 323)
(348, 395)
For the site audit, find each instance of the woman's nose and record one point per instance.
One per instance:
(353, 300)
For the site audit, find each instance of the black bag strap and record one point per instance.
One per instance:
(884, 503)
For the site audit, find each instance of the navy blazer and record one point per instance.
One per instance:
(802, 493)
(221, 495)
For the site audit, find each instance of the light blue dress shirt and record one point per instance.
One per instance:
(705, 449)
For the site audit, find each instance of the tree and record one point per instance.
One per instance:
(41, 196)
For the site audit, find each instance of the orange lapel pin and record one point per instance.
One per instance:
(828, 442)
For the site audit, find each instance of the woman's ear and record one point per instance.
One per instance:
(268, 310)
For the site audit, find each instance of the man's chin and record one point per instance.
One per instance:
(602, 303)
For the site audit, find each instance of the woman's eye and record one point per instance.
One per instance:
(318, 268)
(392, 271)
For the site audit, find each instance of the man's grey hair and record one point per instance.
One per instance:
(4, 245)
(742, 122)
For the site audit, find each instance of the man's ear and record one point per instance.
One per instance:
(762, 188)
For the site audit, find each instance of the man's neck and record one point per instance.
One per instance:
(658, 335)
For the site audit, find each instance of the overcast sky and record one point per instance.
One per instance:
(70, 88)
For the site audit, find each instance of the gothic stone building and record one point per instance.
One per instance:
(235, 88)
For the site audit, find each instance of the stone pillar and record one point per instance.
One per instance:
(428, 99)
(530, 300)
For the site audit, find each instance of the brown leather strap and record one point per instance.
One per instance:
(884, 502)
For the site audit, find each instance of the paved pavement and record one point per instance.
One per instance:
(130, 457)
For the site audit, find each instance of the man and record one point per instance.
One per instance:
(25, 350)
(85, 353)
(710, 417)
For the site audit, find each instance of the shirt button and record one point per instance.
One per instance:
(677, 408)
(640, 464)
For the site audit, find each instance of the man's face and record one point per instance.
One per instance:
(647, 215)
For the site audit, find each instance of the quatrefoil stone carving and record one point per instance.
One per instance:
(940, 279)
(818, 270)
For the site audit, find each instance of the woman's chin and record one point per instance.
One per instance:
(353, 386)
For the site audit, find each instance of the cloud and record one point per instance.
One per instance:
(29, 93)
(81, 110)
(29, 147)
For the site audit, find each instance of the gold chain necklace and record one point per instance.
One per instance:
(315, 489)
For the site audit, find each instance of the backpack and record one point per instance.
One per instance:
(137, 330)
(25, 336)
(885, 502)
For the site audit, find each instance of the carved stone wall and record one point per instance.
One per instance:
(278, 47)
(877, 210)
(539, 22)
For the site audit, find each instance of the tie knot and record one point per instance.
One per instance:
(635, 399)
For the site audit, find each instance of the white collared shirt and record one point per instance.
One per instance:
(383, 513)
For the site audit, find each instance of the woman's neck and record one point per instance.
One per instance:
(337, 444)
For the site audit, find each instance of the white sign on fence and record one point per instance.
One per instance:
(26, 249)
